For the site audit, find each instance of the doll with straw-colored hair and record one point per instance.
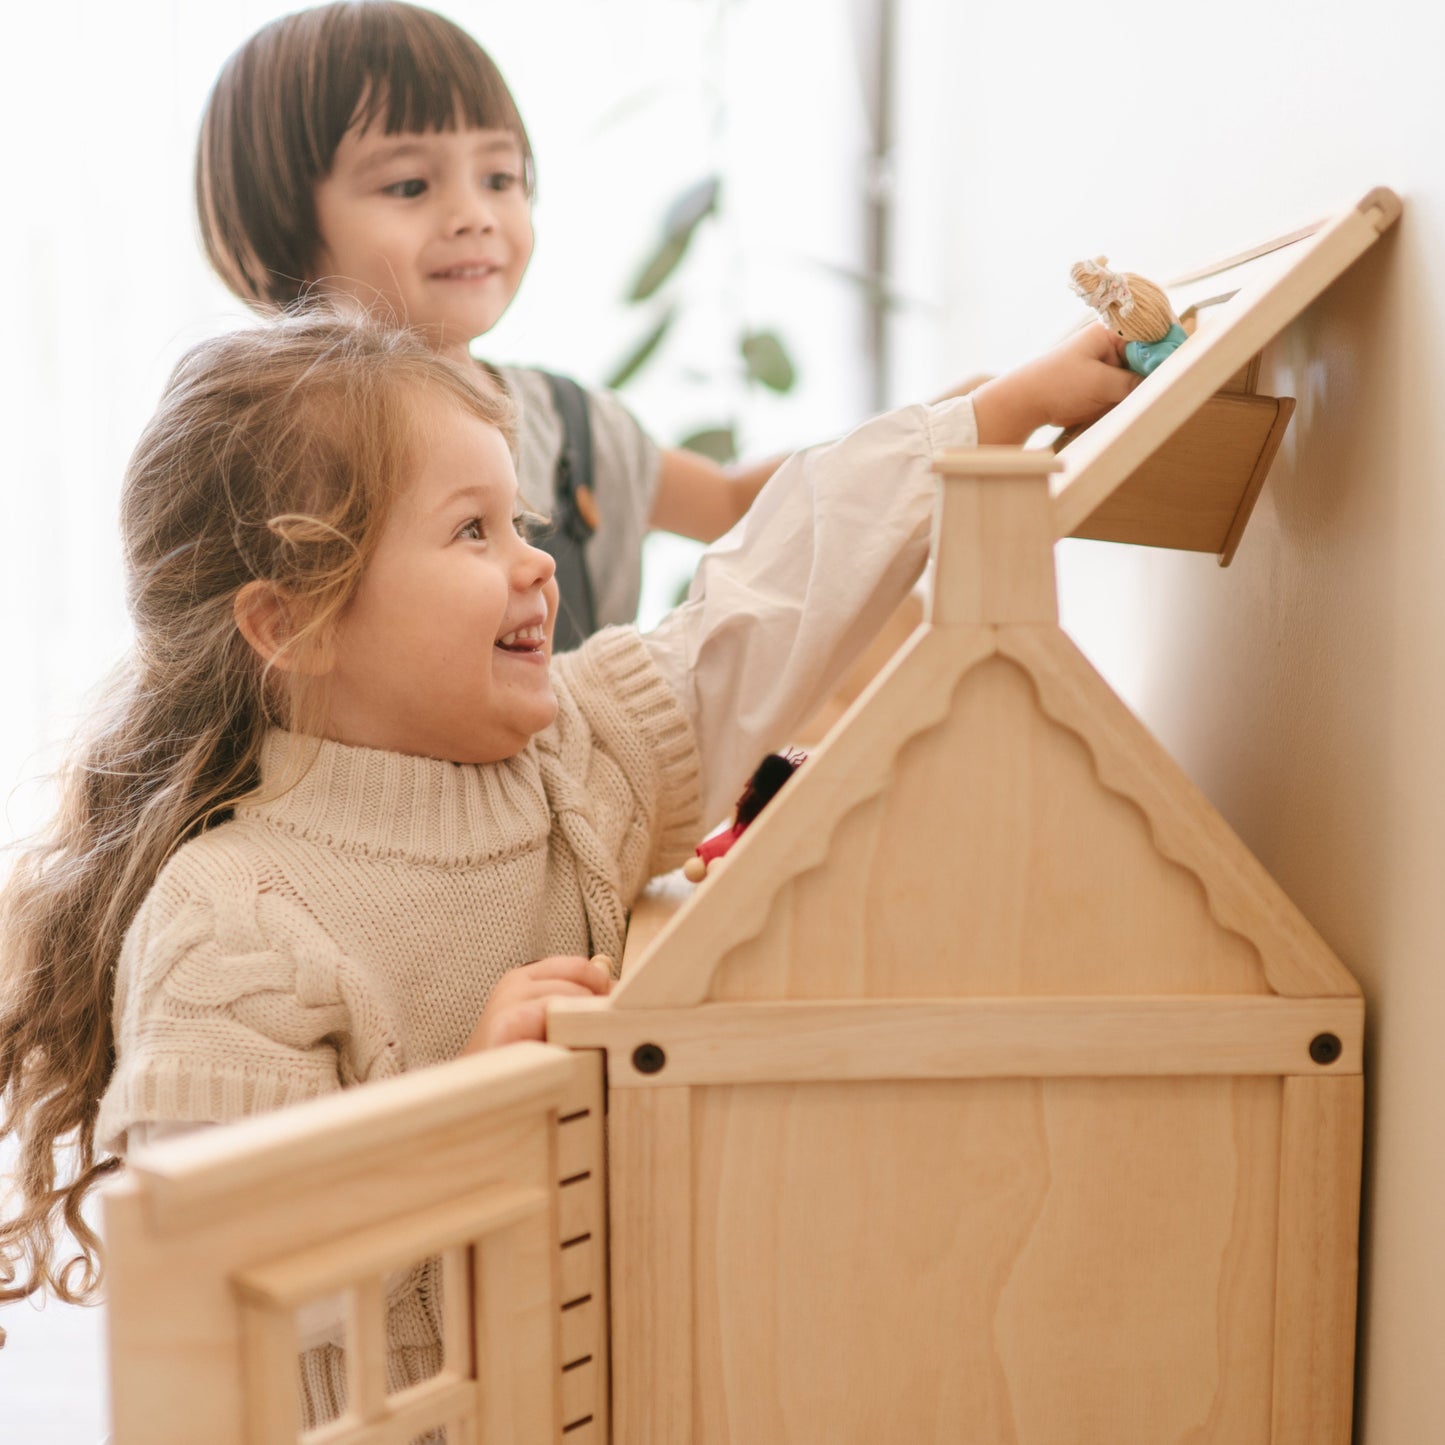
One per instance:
(1135, 308)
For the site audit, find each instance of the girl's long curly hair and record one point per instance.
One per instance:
(274, 456)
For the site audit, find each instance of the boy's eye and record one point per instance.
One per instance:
(408, 189)
(501, 180)
(473, 530)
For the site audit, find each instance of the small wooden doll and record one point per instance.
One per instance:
(763, 786)
(1134, 307)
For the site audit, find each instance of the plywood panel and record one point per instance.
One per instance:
(1188, 494)
(1022, 1262)
(649, 1171)
(1050, 884)
(1314, 1375)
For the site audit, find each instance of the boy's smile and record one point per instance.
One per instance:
(444, 649)
(433, 226)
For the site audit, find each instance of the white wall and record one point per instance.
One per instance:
(1302, 688)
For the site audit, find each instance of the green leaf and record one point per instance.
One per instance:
(718, 442)
(695, 203)
(767, 360)
(660, 265)
(683, 218)
(640, 354)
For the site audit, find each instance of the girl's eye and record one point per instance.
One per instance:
(501, 180)
(408, 189)
(531, 527)
(473, 531)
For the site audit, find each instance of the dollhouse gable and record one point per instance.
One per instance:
(989, 819)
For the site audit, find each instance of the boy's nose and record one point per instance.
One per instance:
(472, 211)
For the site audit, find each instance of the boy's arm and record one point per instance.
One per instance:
(696, 497)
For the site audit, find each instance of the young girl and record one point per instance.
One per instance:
(342, 815)
(372, 150)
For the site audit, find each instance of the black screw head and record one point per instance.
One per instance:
(648, 1059)
(1325, 1048)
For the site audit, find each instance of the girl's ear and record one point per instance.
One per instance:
(269, 620)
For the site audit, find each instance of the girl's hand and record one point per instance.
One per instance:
(1072, 385)
(517, 1008)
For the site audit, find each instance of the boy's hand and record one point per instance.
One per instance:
(517, 1008)
(1072, 385)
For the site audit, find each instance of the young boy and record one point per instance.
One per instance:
(373, 152)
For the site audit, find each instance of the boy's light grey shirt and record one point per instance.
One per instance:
(625, 467)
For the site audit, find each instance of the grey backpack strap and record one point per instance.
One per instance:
(573, 517)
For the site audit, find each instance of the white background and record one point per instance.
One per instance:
(627, 103)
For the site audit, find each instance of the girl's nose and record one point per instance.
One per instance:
(534, 568)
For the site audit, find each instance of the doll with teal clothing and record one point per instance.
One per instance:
(1134, 307)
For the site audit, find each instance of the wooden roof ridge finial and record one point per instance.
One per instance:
(993, 538)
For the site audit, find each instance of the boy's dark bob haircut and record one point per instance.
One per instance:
(283, 102)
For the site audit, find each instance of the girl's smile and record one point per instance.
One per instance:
(410, 666)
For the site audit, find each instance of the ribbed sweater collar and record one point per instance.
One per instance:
(391, 805)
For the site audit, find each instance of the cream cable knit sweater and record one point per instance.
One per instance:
(355, 925)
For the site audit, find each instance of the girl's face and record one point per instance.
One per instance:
(444, 651)
(435, 227)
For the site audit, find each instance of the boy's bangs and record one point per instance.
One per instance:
(421, 78)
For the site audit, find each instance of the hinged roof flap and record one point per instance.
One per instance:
(1242, 304)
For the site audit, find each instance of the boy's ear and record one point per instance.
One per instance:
(269, 620)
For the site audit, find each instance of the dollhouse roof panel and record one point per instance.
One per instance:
(989, 820)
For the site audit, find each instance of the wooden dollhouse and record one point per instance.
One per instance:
(990, 1092)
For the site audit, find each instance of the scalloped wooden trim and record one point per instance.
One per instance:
(1187, 830)
(1066, 725)
(910, 696)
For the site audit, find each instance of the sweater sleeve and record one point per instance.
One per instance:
(213, 1018)
(784, 602)
(621, 768)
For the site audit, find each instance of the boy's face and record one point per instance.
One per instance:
(444, 650)
(434, 227)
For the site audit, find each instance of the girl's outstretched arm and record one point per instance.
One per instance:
(782, 605)
(1074, 382)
